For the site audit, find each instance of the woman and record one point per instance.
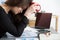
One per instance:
(10, 9)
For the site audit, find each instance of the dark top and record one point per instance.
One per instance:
(8, 24)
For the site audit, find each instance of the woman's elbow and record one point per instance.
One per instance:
(17, 35)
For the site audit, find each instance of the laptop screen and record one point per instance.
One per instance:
(43, 20)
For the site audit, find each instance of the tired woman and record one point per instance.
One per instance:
(11, 24)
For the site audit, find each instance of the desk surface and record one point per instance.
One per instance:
(30, 30)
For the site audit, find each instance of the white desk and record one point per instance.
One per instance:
(47, 34)
(29, 36)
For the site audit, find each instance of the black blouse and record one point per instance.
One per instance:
(7, 24)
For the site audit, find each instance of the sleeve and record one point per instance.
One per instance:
(10, 27)
(23, 23)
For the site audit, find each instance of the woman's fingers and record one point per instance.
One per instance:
(36, 7)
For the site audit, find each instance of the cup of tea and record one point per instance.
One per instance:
(32, 23)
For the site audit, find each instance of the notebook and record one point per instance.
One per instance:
(43, 20)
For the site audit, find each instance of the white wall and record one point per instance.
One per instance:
(52, 6)
(2, 1)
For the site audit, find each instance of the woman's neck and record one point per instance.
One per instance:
(6, 8)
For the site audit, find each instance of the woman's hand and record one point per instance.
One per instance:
(32, 9)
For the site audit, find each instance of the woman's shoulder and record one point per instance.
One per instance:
(1, 9)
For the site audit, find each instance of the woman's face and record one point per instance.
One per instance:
(17, 10)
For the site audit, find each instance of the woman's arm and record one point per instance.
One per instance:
(10, 27)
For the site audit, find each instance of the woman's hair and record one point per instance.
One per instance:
(20, 3)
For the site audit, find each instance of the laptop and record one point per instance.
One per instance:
(43, 21)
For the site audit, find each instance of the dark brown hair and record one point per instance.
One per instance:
(20, 3)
